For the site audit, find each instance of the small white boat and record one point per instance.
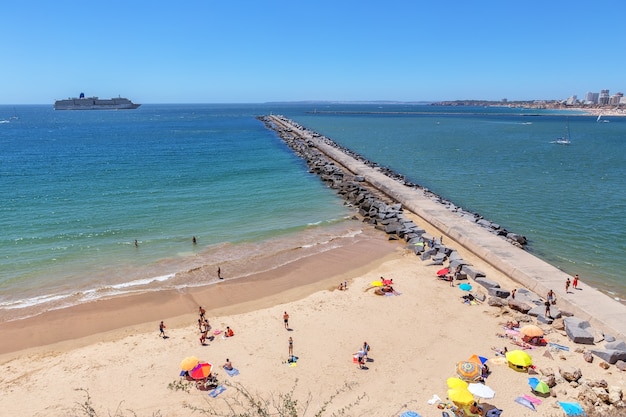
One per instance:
(563, 140)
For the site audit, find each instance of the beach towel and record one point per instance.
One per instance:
(556, 345)
(232, 372)
(523, 401)
(534, 400)
(572, 409)
(217, 391)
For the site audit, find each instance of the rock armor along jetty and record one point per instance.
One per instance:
(379, 196)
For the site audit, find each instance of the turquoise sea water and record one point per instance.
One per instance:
(80, 187)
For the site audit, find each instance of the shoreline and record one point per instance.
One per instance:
(81, 324)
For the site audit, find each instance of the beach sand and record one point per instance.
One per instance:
(113, 349)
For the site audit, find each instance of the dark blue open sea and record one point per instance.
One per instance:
(80, 187)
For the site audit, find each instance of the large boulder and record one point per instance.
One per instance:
(540, 311)
(579, 331)
(610, 355)
(487, 283)
(518, 305)
(617, 345)
(472, 272)
(569, 373)
(528, 296)
(498, 292)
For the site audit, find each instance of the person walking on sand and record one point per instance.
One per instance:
(201, 311)
(548, 314)
(290, 347)
(567, 282)
(162, 330)
(575, 283)
(286, 320)
(551, 298)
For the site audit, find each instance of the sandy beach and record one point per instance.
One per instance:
(114, 351)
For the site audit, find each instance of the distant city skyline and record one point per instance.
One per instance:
(206, 51)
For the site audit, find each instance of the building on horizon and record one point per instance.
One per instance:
(616, 99)
(591, 98)
(604, 97)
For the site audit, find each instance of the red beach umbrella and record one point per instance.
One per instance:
(201, 371)
(443, 271)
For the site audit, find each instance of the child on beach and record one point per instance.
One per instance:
(162, 330)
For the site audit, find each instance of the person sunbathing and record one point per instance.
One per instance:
(514, 324)
(228, 365)
(389, 290)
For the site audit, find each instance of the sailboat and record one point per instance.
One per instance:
(564, 140)
(603, 120)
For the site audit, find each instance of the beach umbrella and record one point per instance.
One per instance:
(201, 371)
(468, 371)
(481, 390)
(443, 271)
(538, 386)
(454, 382)
(478, 359)
(410, 414)
(465, 287)
(460, 396)
(189, 363)
(572, 409)
(519, 358)
(531, 330)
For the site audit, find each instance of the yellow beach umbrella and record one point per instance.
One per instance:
(454, 382)
(519, 358)
(460, 396)
(189, 363)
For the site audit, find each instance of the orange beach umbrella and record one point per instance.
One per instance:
(531, 330)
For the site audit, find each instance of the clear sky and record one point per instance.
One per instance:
(251, 51)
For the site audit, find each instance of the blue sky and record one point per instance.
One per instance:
(256, 51)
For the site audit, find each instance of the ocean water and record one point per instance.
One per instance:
(80, 187)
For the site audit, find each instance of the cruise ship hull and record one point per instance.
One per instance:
(94, 103)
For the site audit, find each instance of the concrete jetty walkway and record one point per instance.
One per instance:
(587, 303)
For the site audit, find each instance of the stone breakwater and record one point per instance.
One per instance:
(380, 196)
(338, 178)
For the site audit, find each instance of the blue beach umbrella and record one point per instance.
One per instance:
(538, 386)
(465, 287)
